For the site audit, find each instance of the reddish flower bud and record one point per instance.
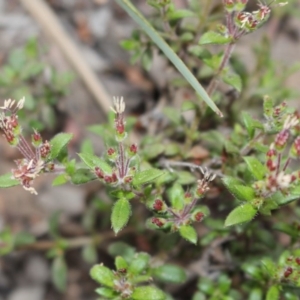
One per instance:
(111, 151)
(14, 121)
(271, 153)
(120, 128)
(133, 148)
(128, 179)
(45, 149)
(158, 205)
(295, 149)
(199, 216)
(281, 139)
(114, 177)
(159, 222)
(297, 260)
(288, 271)
(99, 173)
(271, 165)
(108, 179)
(36, 136)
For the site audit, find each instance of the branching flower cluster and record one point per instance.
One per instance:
(35, 161)
(287, 140)
(240, 22)
(122, 156)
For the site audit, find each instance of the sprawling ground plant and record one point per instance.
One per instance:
(235, 199)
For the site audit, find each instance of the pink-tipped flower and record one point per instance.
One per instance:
(203, 184)
(159, 222)
(295, 149)
(45, 149)
(26, 172)
(36, 139)
(133, 149)
(281, 139)
(119, 105)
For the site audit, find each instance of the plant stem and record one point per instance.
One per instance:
(77, 242)
(214, 82)
(245, 150)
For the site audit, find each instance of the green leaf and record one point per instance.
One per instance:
(89, 254)
(176, 196)
(171, 149)
(6, 181)
(146, 176)
(273, 293)
(153, 150)
(102, 275)
(256, 294)
(251, 124)
(59, 180)
(122, 249)
(179, 14)
(120, 263)
(87, 146)
(168, 51)
(185, 177)
(173, 115)
(169, 273)
(59, 273)
(93, 161)
(212, 37)
(58, 143)
(146, 59)
(256, 168)
(139, 263)
(107, 293)
(233, 80)
(120, 214)
(189, 233)
(188, 105)
(147, 292)
(129, 44)
(241, 214)
(7, 241)
(239, 191)
(82, 176)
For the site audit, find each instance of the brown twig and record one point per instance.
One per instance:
(77, 242)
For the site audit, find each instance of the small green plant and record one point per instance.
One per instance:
(25, 73)
(132, 276)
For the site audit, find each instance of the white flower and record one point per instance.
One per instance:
(283, 180)
(119, 105)
(20, 104)
(8, 104)
(290, 122)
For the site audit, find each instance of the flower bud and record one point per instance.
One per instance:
(112, 154)
(288, 271)
(133, 149)
(282, 139)
(99, 173)
(197, 216)
(295, 149)
(240, 5)
(159, 222)
(157, 205)
(45, 149)
(229, 5)
(36, 139)
(263, 13)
